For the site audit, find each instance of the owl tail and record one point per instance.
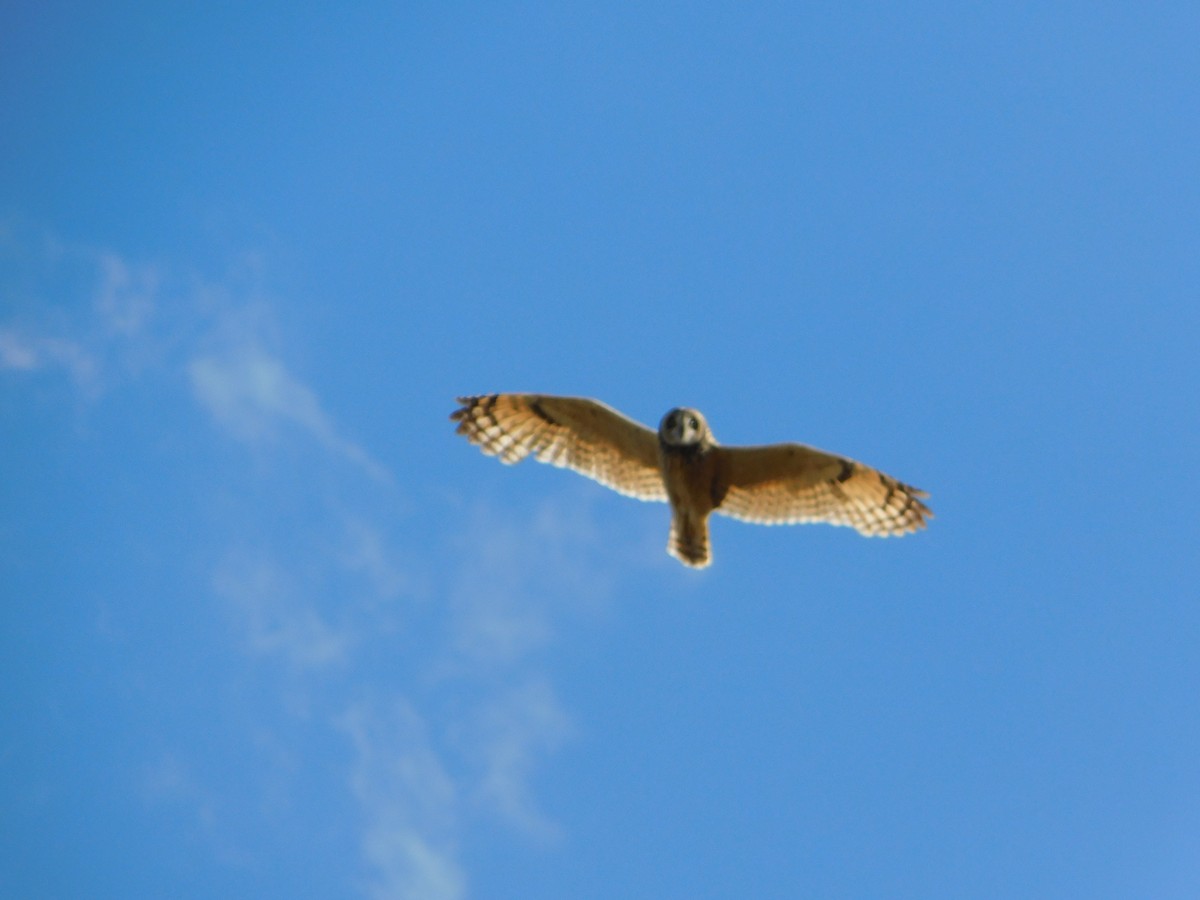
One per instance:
(688, 542)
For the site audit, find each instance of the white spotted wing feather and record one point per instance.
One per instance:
(788, 483)
(570, 432)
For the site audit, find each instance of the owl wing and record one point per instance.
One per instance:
(785, 483)
(570, 432)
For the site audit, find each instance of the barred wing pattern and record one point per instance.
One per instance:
(785, 483)
(570, 432)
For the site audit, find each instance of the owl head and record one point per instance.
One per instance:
(684, 427)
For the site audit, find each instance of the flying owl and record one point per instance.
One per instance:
(684, 465)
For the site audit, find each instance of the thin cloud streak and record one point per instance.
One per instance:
(127, 296)
(22, 353)
(517, 579)
(508, 739)
(250, 393)
(274, 618)
(409, 805)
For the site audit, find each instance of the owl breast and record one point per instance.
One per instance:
(692, 476)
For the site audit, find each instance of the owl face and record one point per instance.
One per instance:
(683, 427)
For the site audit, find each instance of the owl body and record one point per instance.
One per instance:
(683, 465)
(691, 472)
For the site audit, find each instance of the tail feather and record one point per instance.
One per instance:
(688, 542)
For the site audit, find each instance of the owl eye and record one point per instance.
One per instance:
(671, 420)
(692, 423)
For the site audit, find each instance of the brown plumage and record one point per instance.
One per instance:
(683, 465)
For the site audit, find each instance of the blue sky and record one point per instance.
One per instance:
(269, 628)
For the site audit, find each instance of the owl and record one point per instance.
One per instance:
(684, 465)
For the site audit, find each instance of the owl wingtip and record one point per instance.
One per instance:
(466, 404)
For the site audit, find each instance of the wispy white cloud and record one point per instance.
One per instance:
(365, 551)
(507, 740)
(126, 293)
(76, 308)
(463, 736)
(517, 579)
(274, 617)
(409, 803)
(169, 781)
(250, 393)
(25, 353)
